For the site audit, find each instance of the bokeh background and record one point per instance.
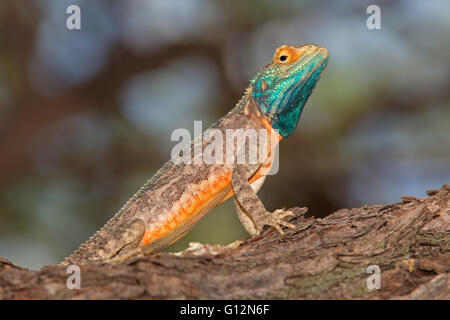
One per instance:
(86, 115)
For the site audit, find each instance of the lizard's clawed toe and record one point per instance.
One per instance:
(276, 220)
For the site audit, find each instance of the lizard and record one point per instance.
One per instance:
(179, 194)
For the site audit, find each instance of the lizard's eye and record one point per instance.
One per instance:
(285, 55)
(283, 58)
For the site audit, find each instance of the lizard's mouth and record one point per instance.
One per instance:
(310, 65)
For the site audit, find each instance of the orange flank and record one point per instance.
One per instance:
(192, 205)
(189, 206)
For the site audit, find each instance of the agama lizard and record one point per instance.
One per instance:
(180, 194)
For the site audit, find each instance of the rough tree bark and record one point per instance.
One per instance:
(325, 258)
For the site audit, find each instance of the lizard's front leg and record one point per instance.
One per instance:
(250, 209)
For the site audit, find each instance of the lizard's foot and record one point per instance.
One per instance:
(276, 220)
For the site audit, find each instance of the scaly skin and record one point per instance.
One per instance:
(179, 195)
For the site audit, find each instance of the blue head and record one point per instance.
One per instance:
(282, 88)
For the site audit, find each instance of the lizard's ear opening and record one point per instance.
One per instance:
(263, 85)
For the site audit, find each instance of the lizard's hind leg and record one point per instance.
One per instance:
(126, 240)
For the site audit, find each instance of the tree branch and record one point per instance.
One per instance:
(323, 259)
